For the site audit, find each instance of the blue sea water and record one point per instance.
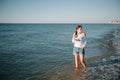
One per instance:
(28, 51)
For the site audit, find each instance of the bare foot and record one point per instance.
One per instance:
(84, 70)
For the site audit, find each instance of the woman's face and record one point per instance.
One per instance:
(79, 30)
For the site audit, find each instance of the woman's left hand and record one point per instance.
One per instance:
(81, 47)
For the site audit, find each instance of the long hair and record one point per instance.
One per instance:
(79, 26)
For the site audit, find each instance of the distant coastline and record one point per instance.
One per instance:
(114, 22)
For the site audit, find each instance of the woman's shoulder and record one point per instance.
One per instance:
(84, 34)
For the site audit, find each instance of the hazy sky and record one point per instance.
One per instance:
(59, 11)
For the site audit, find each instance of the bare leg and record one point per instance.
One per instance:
(83, 61)
(77, 60)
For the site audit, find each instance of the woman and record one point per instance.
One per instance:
(79, 40)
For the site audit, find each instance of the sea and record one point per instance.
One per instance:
(45, 52)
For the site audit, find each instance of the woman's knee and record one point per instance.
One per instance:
(82, 61)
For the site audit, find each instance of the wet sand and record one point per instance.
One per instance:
(109, 70)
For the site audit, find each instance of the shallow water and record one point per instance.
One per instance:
(44, 51)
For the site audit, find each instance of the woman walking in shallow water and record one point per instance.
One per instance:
(79, 40)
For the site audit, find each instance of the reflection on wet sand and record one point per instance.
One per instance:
(79, 75)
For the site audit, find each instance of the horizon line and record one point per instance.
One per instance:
(54, 23)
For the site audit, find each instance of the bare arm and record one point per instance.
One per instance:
(84, 40)
(73, 38)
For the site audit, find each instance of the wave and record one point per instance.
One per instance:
(109, 62)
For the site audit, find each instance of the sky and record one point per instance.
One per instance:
(59, 11)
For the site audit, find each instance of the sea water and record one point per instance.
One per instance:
(45, 51)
